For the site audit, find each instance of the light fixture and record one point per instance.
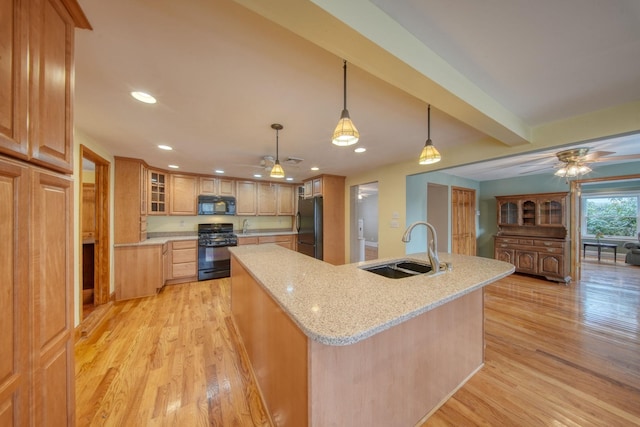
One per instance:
(573, 162)
(345, 133)
(143, 97)
(360, 150)
(429, 153)
(219, 171)
(165, 147)
(174, 166)
(276, 170)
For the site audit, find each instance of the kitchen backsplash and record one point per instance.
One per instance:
(189, 224)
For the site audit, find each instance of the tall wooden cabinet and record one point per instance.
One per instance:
(532, 234)
(130, 201)
(36, 207)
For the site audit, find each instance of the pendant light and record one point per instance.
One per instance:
(345, 133)
(429, 153)
(276, 170)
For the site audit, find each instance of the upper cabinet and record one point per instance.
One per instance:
(533, 210)
(183, 195)
(286, 199)
(157, 193)
(36, 121)
(246, 198)
(267, 204)
(217, 186)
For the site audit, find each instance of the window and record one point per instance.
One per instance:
(611, 215)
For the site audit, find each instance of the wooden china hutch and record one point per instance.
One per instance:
(532, 234)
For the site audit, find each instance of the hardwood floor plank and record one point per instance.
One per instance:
(555, 355)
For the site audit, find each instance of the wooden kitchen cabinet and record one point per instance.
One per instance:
(532, 234)
(157, 193)
(139, 270)
(130, 201)
(246, 198)
(88, 211)
(37, 378)
(182, 262)
(267, 203)
(183, 194)
(286, 199)
(284, 240)
(217, 186)
(313, 187)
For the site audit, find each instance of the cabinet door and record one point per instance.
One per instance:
(526, 261)
(551, 265)
(183, 200)
(88, 211)
(139, 270)
(508, 212)
(317, 187)
(157, 193)
(51, 255)
(267, 198)
(14, 285)
(551, 212)
(308, 189)
(13, 81)
(50, 82)
(529, 212)
(506, 255)
(226, 187)
(207, 186)
(285, 199)
(246, 200)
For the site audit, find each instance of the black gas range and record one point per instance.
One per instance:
(214, 260)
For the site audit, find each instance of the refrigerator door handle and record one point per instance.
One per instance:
(298, 222)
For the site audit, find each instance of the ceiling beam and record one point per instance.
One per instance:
(362, 34)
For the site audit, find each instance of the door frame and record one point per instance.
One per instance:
(102, 261)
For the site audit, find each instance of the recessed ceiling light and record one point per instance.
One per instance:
(144, 97)
(360, 150)
(315, 168)
(174, 166)
(257, 175)
(219, 171)
(165, 147)
(289, 178)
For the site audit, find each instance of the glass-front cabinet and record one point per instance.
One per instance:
(157, 193)
(551, 212)
(508, 212)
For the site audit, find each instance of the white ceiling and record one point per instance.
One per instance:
(223, 74)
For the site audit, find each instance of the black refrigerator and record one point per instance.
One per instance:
(309, 226)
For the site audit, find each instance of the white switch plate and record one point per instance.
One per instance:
(395, 224)
(395, 215)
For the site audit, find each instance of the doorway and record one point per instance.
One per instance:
(94, 218)
(364, 222)
(463, 221)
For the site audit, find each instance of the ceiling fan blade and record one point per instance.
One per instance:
(596, 155)
(615, 158)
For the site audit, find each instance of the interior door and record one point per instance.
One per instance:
(463, 221)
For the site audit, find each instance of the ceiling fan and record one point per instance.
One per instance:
(267, 162)
(575, 161)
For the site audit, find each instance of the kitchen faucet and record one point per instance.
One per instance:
(432, 246)
(245, 226)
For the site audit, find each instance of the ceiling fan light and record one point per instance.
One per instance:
(429, 154)
(277, 171)
(346, 132)
(561, 172)
(584, 169)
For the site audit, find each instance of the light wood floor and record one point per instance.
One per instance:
(555, 356)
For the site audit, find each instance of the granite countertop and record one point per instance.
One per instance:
(160, 240)
(341, 305)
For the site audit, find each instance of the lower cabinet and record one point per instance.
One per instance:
(537, 256)
(284, 240)
(37, 378)
(182, 261)
(139, 270)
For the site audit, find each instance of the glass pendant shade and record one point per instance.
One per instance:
(572, 170)
(276, 170)
(346, 132)
(429, 154)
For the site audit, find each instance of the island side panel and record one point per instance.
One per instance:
(398, 376)
(276, 347)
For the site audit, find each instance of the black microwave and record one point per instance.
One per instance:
(216, 205)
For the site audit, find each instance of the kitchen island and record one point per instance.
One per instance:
(337, 345)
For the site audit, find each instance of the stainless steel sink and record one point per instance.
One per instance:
(399, 269)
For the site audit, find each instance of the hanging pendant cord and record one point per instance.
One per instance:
(345, 84)
(277, 144)
(429, 121)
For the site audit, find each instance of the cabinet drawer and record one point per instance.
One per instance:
(247, 241)
(186, 269)
(184, 244)
(183, 255)
(506, 240)
(549, 244)
(550, 250)
(525, 241)
(274, 239)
